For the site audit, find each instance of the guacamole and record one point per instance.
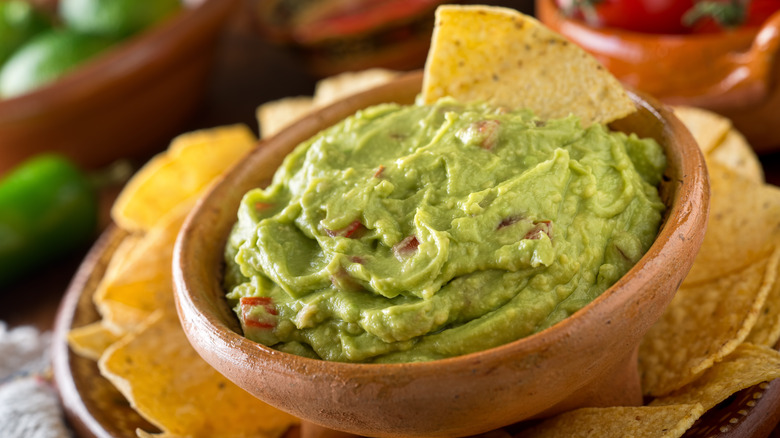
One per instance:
(412, 233)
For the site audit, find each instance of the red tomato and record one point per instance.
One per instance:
(758, 11)
(650, 16)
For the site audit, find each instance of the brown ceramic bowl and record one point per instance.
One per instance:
(733, 73)
(589, 359)
(124, 103)
(334, 36)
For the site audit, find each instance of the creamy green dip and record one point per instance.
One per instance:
(410, 233)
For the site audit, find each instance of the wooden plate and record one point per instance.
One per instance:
(96, 409)
(93, 406)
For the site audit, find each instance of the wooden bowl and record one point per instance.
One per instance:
(589, 359)
(733, 73)
(125, 103)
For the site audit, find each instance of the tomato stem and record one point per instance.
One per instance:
(726, 15)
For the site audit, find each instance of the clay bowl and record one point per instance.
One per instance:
(351, 36)
(589, 359)
(732, 73)
(125, 103)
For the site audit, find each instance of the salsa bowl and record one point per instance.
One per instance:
(733, 73)
(588, 359)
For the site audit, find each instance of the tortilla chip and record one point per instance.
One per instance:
(166, 381)
(91, 340)
(744, 225)
(144, 434)
(183, 172)
(766, 331)
(143, 283)
(746, 366)
(620, 421)
(707, 127)
(121, 254)
(278, 114)
(720, 142)
(735, 153)
(702, 325)
(119, 318)
(503, 57)
(337, 87)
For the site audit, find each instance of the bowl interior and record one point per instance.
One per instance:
(568, 365)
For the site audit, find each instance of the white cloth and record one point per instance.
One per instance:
(23, 351)
(29, 406)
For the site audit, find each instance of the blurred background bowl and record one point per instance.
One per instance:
(346, 35)
(127, 102)
(732, 72)
(335, 36)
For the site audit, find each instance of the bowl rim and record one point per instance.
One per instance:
(678, 215)
(147, 52)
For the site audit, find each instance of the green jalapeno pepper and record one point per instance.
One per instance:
(48, 207)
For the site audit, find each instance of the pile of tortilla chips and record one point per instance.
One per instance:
(139, 344)
(714, 340)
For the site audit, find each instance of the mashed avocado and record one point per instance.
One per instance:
(410, 233)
